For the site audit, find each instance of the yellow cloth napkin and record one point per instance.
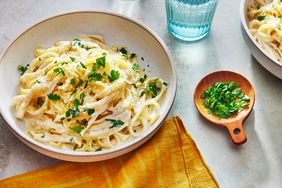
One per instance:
(169, 159)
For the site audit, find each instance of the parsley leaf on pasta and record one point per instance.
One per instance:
(22, 69)
(116, 123)
(113, 76)
(53, 97)
(135, 67)
(93, 76)
(101, 61)
(82, 65)
(89, 111)
(72, 112)
(80, 82)
(59, 70)
(40, 101)
(76, 103)
(151, 88)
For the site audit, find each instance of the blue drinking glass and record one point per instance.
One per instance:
(190, 20)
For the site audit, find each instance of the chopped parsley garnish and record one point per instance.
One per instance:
(258, 7)
(22, 69)
(115, 123)
(72, 112)
(60, 83)
(113, 76)
(72, 58)
(40, 101)
(95, 67)
(132, 56)
(76, 129)
(151, 88)
(134, 85)
(135, 67)
(82, 65)
(38, 81)
(123, 51)
(89, 111)
(260, 18)
(104, 75)
(74, 91)
(59, 70)
(42, 136)
(72, 81)
(93, 76)
(86, 83)
(79, 127)
(142, 80)
(99, 149)
(62, 118)
(100, 62)
(224, 99)
(71, 139)
(76, 103)
(75, 147)
(81, 97)
(77, 42)
(53, 97)
(165, 83)
(79, 83)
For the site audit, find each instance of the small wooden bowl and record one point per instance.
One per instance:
(234, 124)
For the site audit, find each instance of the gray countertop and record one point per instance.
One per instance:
(257, 163)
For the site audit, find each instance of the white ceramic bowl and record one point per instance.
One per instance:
(269, 63)
(116, 29)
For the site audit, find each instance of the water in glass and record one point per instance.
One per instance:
(190, 20)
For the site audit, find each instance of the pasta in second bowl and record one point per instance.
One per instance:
(266, 26)
(261, 28)
(83, 100)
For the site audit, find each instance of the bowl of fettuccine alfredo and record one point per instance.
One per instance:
(262, 30)
(86, 86)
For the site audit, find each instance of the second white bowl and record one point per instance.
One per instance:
(269, 63)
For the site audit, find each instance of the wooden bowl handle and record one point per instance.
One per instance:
(237, 132)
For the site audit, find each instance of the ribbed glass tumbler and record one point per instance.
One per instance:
(190, 20)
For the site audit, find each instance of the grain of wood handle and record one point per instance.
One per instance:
(237, 132)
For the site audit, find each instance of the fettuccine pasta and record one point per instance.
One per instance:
(82, 95)
(266, 25)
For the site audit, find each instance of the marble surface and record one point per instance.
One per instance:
(257, 163)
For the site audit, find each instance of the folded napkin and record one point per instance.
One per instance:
(168, 159)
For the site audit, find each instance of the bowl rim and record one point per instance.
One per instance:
(246, 28)
(126, 145)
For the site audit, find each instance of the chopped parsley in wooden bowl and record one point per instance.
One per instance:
(224, 99)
